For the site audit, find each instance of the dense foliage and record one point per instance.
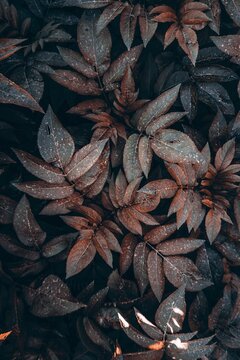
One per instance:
(119, 179)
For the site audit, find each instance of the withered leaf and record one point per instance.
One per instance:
(175, 146)
(53, 298)
(80, 256)
(51, 137)
(11, 93)
(26, 226)
(44, 190)
(170, 314)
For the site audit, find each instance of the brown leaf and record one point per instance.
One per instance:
(180, 271)
(156, 274)
(128, 246)
(145, 155)
(128, 22)
(160, 233)
(147, 27)
(77, 62)
(62, 206)
(140, 266)
(51, 138)
(102, 248)
(12, 247)
(170, 314)
(213, 224)
(44, 190)
(84, 159)
(131, 223)
(225, 155)
(155, 108)
(39, 168)
(26, 226)
(80, 256)
(175, 146)
(11, 93)
(109, 14)
(179, 246)
(118, 67)
(7, 207)
(95, 47)
(148, 327)
(76, 82)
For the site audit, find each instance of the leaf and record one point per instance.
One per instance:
(179, 246)
(229, 44)
(53, 298)
(189, 99)
(96, 335)
(44, 190)
(109, 14)
(26, 226)
(131, 162)
(11, 93)
(233, 9)
(148, 327)
(118, 67)
(147, 27)
(180, 271)
(225, 155)
(145, 155)
(156, 274)
(237, 211)
(12, 247)
(128, 22)
(190, 350)
(102, 248)
(77, 62)
(214, 13)
(170, 314)
(4, 336)
(86, 4)
(80, 256)
(126, 257)
(84, 159)
(94, 47)
(51, 137)
(7, 207)
(160, 233)
(155, 108)
(137, 337)
(218, 130)
(76, 82)
(212, 224)
(40, 168)
(175, 146)
(140, 266)
(143, 355)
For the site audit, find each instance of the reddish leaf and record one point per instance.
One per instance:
(147, 27)
(128, 22)
(109, 14)
(131, 162)
(80, 256)
(44, 190)
(179, 246)
(213, 224)
(102, 248)
(160, 233)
